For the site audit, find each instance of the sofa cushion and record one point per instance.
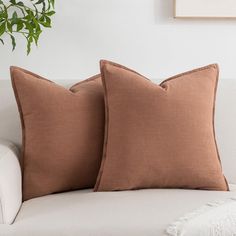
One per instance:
(88, 213)
(62, 133)
(160, 136)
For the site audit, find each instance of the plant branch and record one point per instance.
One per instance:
(29, 23)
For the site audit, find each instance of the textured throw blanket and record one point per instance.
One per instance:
(213, 219)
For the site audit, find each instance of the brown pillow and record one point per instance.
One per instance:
(159, 136)
(62, 133)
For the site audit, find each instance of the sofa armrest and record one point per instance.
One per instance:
(10, 183)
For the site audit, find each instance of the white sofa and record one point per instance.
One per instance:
(85, 213)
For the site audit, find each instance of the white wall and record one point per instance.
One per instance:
(141, 34)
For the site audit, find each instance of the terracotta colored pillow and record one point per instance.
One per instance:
(160, 136)
(62, 133)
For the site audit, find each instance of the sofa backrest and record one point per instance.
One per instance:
(225, 121)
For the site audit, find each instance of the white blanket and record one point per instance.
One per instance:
(213, 219)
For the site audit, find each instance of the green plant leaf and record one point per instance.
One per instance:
(13, 2)
(50, 13)
(20, 4)
(29, 27)
(46, 23)
(2, 41)
(48, 20)
(36, 38)
(5, 12)
(14, 19)
(2, 29)
(19, 26)
(39, 1)
(14, 15)
(17, 17)
(44, 7)
(30, 13)
(29, 41)
(53, 3)
(13, 41)
(9, 26)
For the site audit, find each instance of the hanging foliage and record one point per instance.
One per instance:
(27, 18)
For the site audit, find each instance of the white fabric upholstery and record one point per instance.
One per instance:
(232, 187)
(85, 213)
(10, 183)
(216, 218)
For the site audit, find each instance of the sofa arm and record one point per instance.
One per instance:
(10, 183)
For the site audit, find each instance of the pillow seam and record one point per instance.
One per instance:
(21, 159)
(190, 72)
(104, 156)
(84, 81)
(213, 126)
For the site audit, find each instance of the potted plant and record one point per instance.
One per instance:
(26, 18)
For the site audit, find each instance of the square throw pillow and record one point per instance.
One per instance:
(160, 136)
(62, 133)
